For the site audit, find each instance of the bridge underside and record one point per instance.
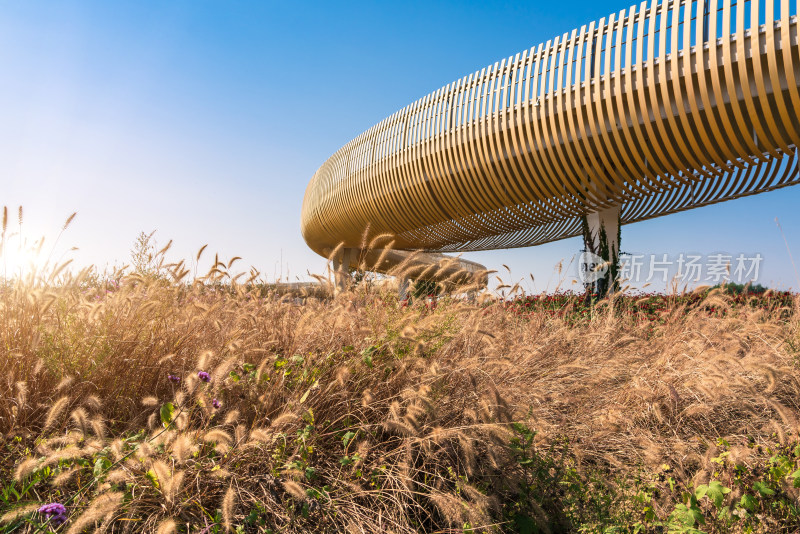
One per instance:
(557, 213)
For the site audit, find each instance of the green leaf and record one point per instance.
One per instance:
(700, 491)
(347, 438)
(721, 458)
(101, 465)
(763, 489)
(525, 524)
(151, 476)
(687, 516)
(649, 513)
(717, 492)
(167, 413)
(795, 478)
(305, 396)
(526, 433)
(308, 417)
(748, 502)
(252, 517)
(235, 377)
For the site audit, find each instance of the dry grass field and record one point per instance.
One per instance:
(144, 403)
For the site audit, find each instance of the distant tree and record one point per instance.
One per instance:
(425, 288)
(144, 255)
(736, 289)
(357, 275)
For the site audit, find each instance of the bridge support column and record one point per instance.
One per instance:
(601, 237)
(402, 287)
(341, 265)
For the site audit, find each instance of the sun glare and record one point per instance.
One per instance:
(18, 260)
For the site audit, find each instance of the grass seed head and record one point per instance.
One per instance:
(219, 436)
(182, 448)
(295, 490)
(25, 468)
(150, 401)
(63, 478)
(228, 508)
(167, 526)
(64, 383)
(54, 413)
(18, 512)
(103, 506)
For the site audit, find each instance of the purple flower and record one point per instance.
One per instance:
(216, 404)
(55, 512)
(173, 378)
(205, 377)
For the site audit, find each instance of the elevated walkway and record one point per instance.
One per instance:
(664, 107)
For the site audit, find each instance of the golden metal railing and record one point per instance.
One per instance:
(660, 108)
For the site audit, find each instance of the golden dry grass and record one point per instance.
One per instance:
(357, 414)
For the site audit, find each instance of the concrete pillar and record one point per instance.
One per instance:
(346, 258)
(601, 239)
(402, 287)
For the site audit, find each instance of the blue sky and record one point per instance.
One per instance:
(205, 121)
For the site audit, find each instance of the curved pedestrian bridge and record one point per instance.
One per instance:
(666, 106)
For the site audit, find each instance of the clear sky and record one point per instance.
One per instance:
(205, 121)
